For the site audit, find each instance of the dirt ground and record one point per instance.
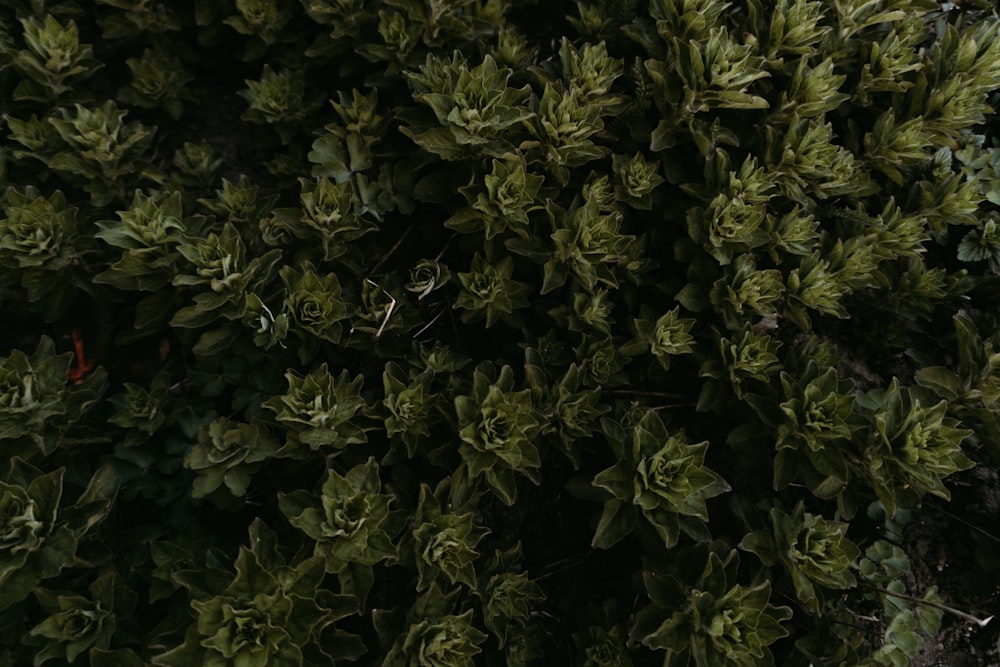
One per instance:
(956, 547)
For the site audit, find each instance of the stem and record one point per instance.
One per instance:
(634, 392)
(393, 249)
(936, 605)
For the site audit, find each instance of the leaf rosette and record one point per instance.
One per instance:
(635, 180)
(710, 619)
(497, 426)
(511, 192)
(317, 411)
(31, 391)
(433, 637)
(314, 303)
(507, 600)
(37, 231)
(427, 276)
(35, 542)
(474, 108)
(489, 292)
(657, 476)
(268, 614)
(75, 623)
(444, 543)
(228, 453)
(815, 552)
(347, 520)
(911, 448)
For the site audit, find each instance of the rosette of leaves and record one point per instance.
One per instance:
(563, 126)
(38, 238)
(228, 453)
(507, 603)
(348, 523)
(586, 312)
(400, 42)
(747, 356)
(497, 427)
(735, 212)
(603, 647)
(409, 402)
(344, 21)
(220, 263)
(328, 211)
(55, 61)
(568, 411)
(475, 109)
(35, 542)
(39, 537)
(808, 163)
(635, 180)
(746, 291)
(347, 147)
(317, 411)
(511, 193)
(814, 552)
(427, 275)
(588, 244)
(197, 165)
(278, 99)
(142, 411)
(669, 335)
(238, 203)
(384, 308)
(137, 17)
(158, 81)
(699, 75)
(910, 449)
(262, 19)
(38, 139)
(709, 619)
(657, 476)
(601, 361)
(100, 151)
(268, 613)
(314, 303)
(813, 430)
(444, 544)
(431, 635)
(489, 292)
(592, 73)
(75, 623)
(32, 390)
(512, 48)
(148, 233)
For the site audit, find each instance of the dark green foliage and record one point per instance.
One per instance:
(441, 333)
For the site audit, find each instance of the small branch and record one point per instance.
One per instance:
(428, 325)
(981, 531)
(635, 392)
(981, 622)
(448, 243)
(393, 249)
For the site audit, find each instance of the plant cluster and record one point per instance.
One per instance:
(440, 333)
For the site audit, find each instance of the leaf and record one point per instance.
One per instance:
(616, 522)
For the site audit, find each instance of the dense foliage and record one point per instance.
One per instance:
(438, 333)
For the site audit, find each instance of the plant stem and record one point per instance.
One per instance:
(981, 622)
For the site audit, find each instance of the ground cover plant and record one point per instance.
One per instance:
(496, 332)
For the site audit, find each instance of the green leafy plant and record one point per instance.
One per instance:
(712, 619)
(657, 476)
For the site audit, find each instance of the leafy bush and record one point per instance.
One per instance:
(467, 332)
